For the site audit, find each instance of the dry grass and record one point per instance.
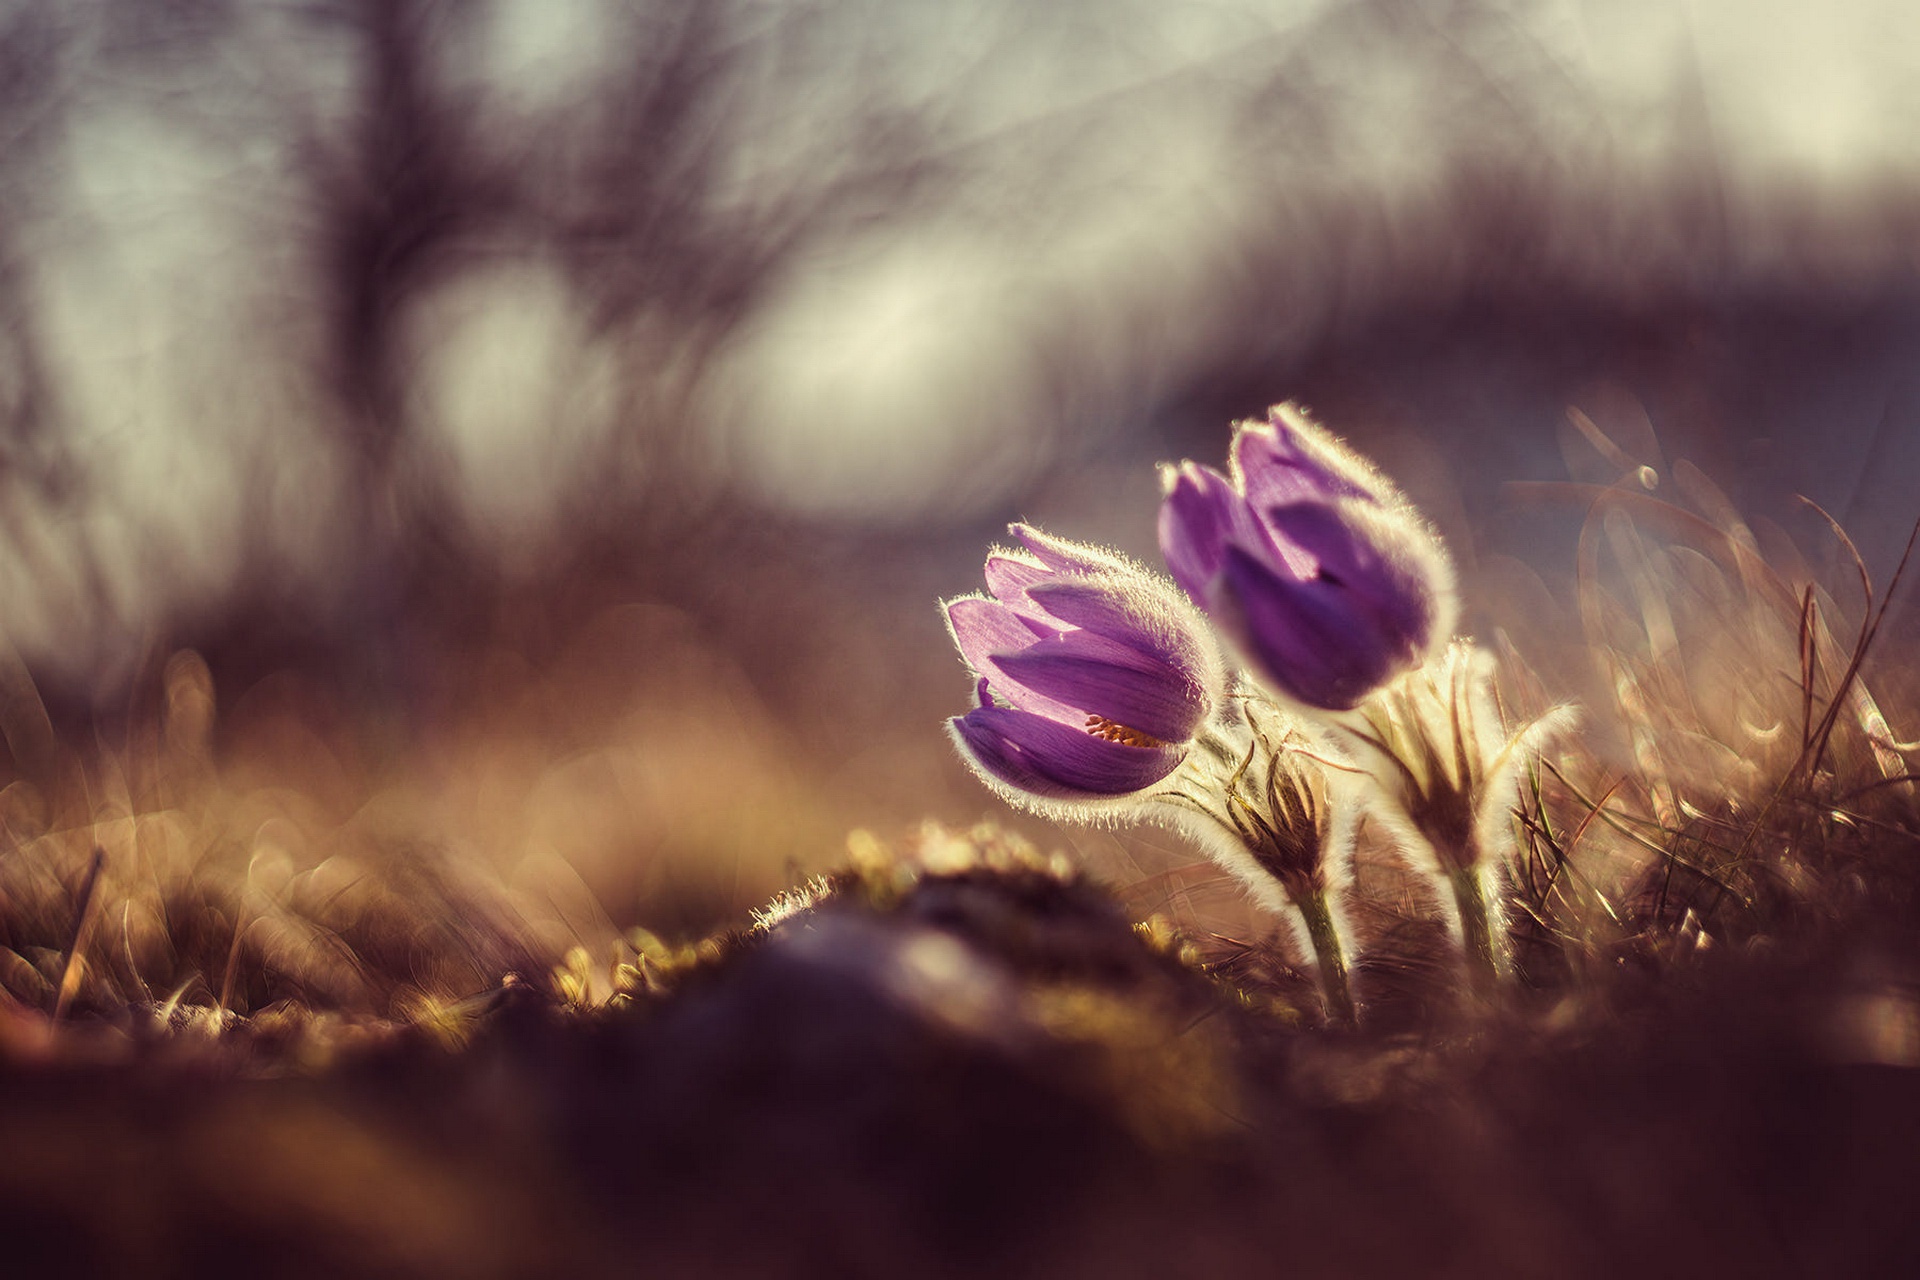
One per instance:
(340, 1044)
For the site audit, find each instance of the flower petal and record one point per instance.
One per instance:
(1103, 677)
(1134, 613)
(1062, 555)
(1394, 568)
(1200, 514)
(982, 627)
(1035, 754)
(1008, 578)
(985, 629)
(1318, 641)
(1289, 458)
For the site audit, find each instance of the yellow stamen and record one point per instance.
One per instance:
(1101, 727)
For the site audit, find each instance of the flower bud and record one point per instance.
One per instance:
(1092, 675)
(1324, 577)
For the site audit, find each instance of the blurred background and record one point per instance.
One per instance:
(552, 424)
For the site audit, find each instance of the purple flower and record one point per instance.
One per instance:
(1324, 576)
(1092, 675)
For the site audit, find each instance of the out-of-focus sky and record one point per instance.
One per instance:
(343, 334)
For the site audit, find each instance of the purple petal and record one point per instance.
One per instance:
(1008, 579)
(993, 754)
(983, 627)
(1276, 465)
(1199, 515)
(1061, 555)
(986, 631)
(1362, 556)
(1048, 758)
(1106, 609)
(1099, 606)
(1103, 677)
(1318, 641)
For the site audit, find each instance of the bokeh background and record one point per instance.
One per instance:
(552, 424)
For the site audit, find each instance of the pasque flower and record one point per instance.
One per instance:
(1092, 675)
(1323, 575)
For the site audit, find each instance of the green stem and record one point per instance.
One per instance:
(1476, 935)
(1332, 957)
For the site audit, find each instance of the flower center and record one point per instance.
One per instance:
(1101, 727)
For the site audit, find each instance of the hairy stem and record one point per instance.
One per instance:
(1215, 741)
(1476, 933)
(1331, 955)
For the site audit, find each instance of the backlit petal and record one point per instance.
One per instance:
(1316, 641)
(984, 629)
(1065, 556)
(1200, 515)
(1008, 578)
(1391, 565)
(1139, 615)
(1102, 677)
(1289, 458)
(1043, 756)
(981, 627)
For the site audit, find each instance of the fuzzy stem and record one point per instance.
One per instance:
(1314, 911)
(1216, 741)
(1476, 934)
